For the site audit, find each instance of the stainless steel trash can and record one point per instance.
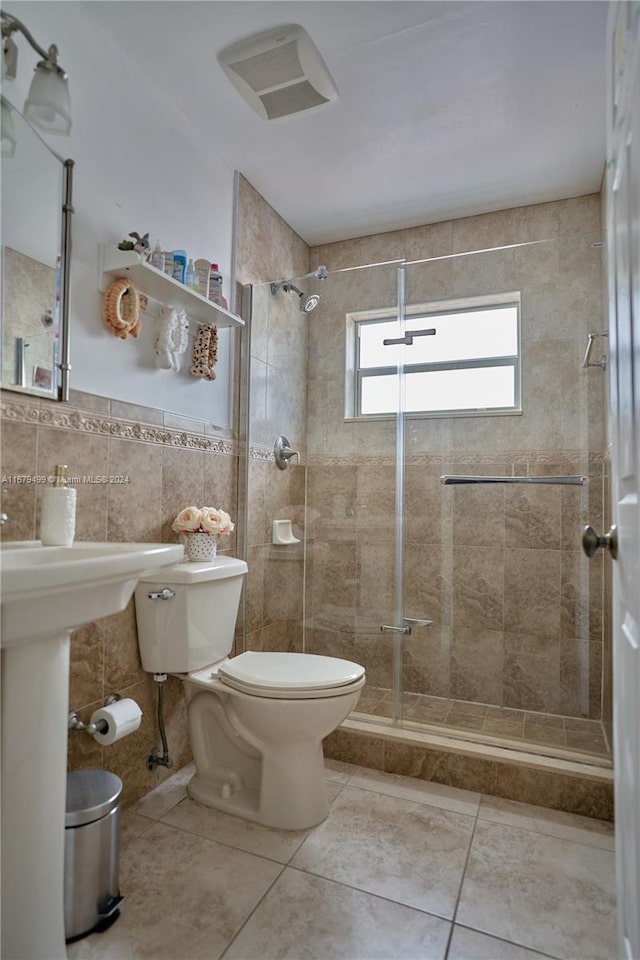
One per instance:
(91, 852)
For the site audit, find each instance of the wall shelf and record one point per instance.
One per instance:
(158, 286)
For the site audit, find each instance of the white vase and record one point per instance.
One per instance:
(199, 547)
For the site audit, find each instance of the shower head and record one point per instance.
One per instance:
(308, 301)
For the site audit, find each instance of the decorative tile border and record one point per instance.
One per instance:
(66, 417)
(261, 453)
(72, 418)
(536, 458)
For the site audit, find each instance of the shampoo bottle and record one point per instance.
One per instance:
(157, 257)
(215, 287)
(58, 517)
(203, 269)
(179, 269)
(191, 277)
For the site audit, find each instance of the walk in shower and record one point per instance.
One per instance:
(470, 604)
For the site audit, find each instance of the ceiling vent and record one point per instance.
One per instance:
(279, 72)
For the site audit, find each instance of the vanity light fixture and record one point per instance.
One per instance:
(47, 106)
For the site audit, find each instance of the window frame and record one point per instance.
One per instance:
(355, 374)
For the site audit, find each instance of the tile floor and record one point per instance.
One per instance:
(400, 868)
(573, 733)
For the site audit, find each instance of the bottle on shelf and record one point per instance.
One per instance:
(179, 265)
(191, 277)
(157, 257)
(215, 287)
(203, 271)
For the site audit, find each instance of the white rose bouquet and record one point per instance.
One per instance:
(203, 520)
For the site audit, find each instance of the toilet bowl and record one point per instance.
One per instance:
(282, 718)
(256, 721)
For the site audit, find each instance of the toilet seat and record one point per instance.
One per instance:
(292, 676)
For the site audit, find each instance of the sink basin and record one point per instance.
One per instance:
(46, 593)
(46, 589)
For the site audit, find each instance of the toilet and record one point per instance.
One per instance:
(256, 721)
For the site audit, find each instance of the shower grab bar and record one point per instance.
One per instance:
(408, 337)
(602, 362)
(453, 479)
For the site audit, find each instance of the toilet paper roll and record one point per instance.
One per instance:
(122, 718)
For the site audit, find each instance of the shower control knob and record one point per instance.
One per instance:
(592, 542)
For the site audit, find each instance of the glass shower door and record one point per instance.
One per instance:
(351, 492)
(519, 639)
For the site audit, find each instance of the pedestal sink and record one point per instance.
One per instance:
(46, 593)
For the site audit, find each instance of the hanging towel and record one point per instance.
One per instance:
(205, 352)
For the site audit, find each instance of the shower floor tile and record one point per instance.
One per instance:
(503, 721)
(569, 733)
(396, 859)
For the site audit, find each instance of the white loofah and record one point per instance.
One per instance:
(172, 339)
(180, 339)
(163, 341)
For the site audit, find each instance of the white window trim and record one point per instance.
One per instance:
(424, 309)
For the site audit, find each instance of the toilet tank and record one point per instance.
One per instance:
(195, 626)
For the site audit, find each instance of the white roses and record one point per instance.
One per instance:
(203, 520)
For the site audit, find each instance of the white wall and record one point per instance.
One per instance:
(139, 166)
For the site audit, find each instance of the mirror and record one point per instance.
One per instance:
(36, 235)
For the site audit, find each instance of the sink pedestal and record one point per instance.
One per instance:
(46, 593)
(35, 682)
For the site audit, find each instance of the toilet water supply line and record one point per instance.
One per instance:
(154, 759)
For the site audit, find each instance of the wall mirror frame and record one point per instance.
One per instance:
(37, 212)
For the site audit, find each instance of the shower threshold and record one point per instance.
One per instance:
(548, 735)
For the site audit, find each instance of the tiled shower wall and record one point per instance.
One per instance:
(268, 249)
(170, 462)
(517, 607)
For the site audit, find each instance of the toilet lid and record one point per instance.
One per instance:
(288, 671)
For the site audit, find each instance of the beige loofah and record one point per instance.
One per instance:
(122, 308)
(205, 352)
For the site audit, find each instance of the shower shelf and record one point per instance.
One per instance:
(158, 286)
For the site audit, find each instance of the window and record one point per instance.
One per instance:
(469, 365)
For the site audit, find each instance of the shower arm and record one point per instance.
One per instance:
(321, 273)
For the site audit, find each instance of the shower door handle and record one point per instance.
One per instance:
(406, 630)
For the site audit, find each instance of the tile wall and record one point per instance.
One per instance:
(170, 462)
(268, 249)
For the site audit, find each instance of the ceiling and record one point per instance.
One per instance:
(444, 109)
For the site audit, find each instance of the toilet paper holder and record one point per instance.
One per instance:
(75, 723)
